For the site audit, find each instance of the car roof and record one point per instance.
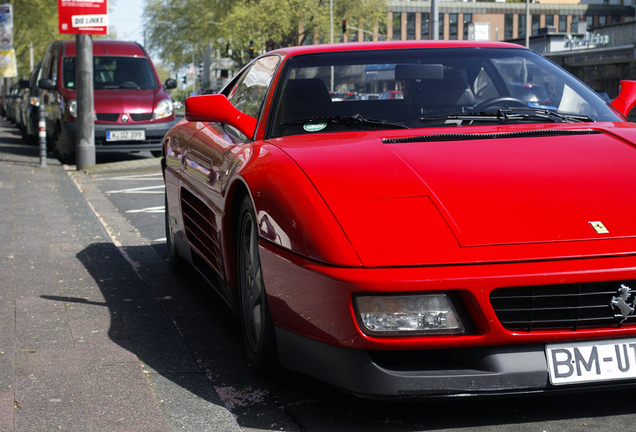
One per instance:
(389, 45)
(107, 47)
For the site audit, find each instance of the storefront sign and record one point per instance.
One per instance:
(583, 59)
(589, 40)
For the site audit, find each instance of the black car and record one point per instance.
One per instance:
(29, 106)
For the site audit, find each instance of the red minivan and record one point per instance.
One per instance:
(132, 109)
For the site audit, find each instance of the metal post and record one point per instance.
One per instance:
(528, 24)
(434, 20)
(42, 134)
(85, 151)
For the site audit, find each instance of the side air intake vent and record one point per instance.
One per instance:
(474, 137)
(200, 228)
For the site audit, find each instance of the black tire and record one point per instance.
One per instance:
(175, 261)
(156, 153)
(257, 324)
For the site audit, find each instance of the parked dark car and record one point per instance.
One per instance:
(9, 103)
(132, 109)
(29, 107)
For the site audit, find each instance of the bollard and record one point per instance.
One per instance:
(42, 134)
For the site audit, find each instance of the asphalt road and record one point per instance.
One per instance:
(130, 205)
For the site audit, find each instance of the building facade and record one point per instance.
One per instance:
(410, 20)
(602, 35)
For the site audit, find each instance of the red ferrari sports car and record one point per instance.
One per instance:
(467, 239)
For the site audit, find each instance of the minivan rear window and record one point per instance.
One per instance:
(115, 73)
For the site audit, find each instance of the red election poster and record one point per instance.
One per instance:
(83, 16)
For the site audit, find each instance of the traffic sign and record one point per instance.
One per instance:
(6, 27)
(83, 16)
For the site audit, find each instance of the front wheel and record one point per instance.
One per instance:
(174, 259)
(257, 323)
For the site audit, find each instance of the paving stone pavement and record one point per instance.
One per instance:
(75, 319)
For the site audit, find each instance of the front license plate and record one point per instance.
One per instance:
(129, 135)
(578, 362)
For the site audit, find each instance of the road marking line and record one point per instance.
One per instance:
(138, 190)
(158, 209)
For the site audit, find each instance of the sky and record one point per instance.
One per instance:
(125, 17)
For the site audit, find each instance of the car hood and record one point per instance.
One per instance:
(125, 101)
(482, 195)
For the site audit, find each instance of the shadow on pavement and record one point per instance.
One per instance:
(139, 324)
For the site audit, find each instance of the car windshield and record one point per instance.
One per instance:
(429, 87)
(114, 73)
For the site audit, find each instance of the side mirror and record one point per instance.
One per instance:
(626, 99)
(24, 84)
(217, 108)
(47, 84)
(170, 84)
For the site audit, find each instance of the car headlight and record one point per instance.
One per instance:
(72, 107)
(34, 101)
(408, 314)
(164, 109)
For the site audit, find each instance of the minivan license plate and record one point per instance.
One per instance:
(129, 135)
(577, 362)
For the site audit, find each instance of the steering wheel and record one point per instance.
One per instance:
(501, 100)
(129, 84)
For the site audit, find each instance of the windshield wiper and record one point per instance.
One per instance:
(512, 114)
(354, 119)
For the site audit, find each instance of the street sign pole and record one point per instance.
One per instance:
(84, 19)
(85, 151)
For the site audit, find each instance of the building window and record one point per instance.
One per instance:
(397, 26)
(589, 19)
(574, 27)
(508, 26)
(563, 23)
(383, 30)
(441, 26)
(367, 35)
(468, 19)
(410, 26)
(549, 20)
(602, 20)
(616, 19)
(425, 26)
(453, 20)
(522, 26)
(536, 22)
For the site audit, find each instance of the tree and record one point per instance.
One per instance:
(179, 30)
(183, 28)
(27, 29)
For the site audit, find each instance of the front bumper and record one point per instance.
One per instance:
(458, 372)
(153, 142)
(318, 334)
(439, 373)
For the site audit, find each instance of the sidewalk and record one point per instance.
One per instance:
(82, 346)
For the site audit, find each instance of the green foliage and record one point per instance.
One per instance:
(180, 30)
(34, 21)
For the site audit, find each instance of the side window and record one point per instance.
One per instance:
(53, 68)
(46, 63)
(250, 91)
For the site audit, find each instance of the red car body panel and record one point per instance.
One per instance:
(322, 309)
(462, 211)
